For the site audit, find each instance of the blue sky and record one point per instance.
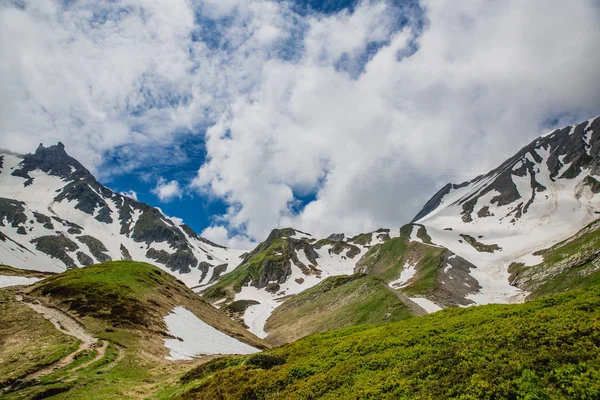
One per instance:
(238, 116)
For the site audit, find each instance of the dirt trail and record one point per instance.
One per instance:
(69, 326)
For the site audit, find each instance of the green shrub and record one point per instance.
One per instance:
(265, 361)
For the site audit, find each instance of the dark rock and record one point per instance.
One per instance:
(338, 237)
(84, 259)
(204, 267)
(125, 253)
(217, 271)
(43, 219)
(96, 247)
(13, 211)
(57, 247)
(181, 261)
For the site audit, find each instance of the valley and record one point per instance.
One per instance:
(100, 293)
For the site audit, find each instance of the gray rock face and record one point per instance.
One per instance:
(96, 247)
(12, 211)
(181, 261)
(338, 237)
(57, 247)
(455, 273)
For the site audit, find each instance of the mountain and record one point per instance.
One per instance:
(337, 302)
(544, 194)
(487, 240)
(54, 215)
(290, 262)
(543, 349)
(115, 324)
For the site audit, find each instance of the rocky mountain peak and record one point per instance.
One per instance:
(53, 160)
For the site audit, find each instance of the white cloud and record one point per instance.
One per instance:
(176, 220)
(298, 104)
(130, 193)
(167, 191)
(220, 235)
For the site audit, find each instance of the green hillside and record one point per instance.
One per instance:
(337, 302)
(122, 304)
(571, 264)
(544, 349)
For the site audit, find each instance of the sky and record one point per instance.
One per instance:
(240, 116)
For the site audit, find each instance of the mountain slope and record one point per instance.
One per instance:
(544, 349)
(336, 302)
(285, 264)
(570, 264)
(545, 193)
(54, 215)
(135, 318)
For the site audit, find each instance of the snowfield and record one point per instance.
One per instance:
(198, 338)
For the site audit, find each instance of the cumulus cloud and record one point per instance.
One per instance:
(130, 193)
(167, 191)
(364, 113)
(219, 234)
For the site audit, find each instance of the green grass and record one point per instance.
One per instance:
(12, 271)
(337, 302)
(570, 264)
(544, 349)
(362, 239)
(274, 254)
(387, 260)
(122, 302)
(27, 341)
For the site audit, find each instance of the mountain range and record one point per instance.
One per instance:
(527, 229)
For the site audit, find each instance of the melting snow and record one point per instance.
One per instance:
(408, 271)
(426, 304)
(198, 337)
(6, 281)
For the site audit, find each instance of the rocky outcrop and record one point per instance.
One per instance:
(57, 247)
(96, 247)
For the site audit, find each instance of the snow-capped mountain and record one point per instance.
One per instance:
(54, 215)
(545, 193)
(286, 263)
(473, 243)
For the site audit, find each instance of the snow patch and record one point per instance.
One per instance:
(408, 271)
(198, 337)
(426, 304)
(6, 281)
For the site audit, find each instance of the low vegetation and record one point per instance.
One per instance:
(387, 260)
(571, 264)
(122, 303)
(543, 349)
(28, 342)
(338, 301)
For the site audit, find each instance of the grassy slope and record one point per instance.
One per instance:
(387, 260)
(126, 296)
(123, 303)
(27, 341)
(544, 349)
(571, 264)
(278, 252)
(337, 302)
